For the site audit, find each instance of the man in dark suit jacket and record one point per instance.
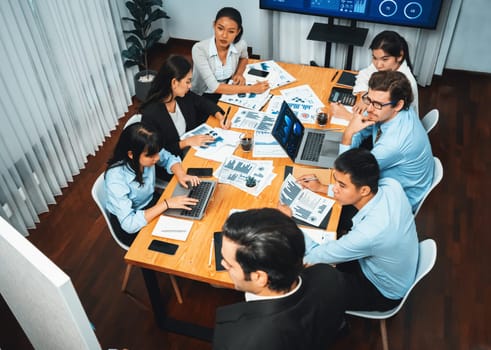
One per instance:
(287, 306)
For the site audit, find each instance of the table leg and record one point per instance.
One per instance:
(167, 323)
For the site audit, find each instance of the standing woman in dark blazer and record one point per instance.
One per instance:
(172, 109)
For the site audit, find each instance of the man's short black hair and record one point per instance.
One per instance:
(268, 241)
(362, 167)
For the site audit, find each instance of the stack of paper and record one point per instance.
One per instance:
(248, 100)
(236, 171)
(306, 205)
(303, 101)
(277, 76)
(173, 228)
(222, 147)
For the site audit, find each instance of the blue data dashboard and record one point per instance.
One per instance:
(413, 13)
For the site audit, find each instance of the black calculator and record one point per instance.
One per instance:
(344, 96)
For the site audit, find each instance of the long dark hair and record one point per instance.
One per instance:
(393, 44)
(235, 16)
(174, 67)
(139, 139)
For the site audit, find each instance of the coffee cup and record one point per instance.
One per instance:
(246, 143)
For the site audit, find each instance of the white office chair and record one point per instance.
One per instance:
(426, 261)
(437, 177)
(430, 119)
(135, 118)
(99, 195)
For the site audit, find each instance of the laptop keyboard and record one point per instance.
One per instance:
(202, 193)
(313, 146)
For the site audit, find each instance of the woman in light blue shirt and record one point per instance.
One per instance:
(222, 58)
(130, 181)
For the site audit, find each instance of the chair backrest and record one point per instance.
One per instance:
(426, 261)
(135, 118)
(437, 177)
(430, 119)
(99, 195)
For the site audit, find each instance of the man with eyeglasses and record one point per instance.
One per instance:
(400, 142)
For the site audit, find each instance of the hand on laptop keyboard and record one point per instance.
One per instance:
(181, 202)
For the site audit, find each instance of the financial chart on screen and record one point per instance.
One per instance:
(414, 13)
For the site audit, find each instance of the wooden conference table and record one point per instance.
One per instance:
(192, 257)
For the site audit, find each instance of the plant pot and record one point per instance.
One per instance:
(142, 87)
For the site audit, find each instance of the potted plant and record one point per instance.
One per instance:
(141, 39)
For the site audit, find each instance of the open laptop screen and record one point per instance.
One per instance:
(288, 131)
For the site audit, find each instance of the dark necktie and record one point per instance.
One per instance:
(379, 133)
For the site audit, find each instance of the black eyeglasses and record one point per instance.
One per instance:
(377, 105)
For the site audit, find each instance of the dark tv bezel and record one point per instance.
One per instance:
(311, 13)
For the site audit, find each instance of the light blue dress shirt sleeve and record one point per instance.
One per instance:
(403, 153)
(167, 160)
(383, 239)
(126, 198)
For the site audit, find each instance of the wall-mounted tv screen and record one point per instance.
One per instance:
(413, 13)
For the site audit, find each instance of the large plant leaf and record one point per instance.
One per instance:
(138, 33)
(153, 37)
(157, 14)
(133, 53)
(133, 40)
(130, 63)
(136, 11)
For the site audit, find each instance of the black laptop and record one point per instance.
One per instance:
(308, 146)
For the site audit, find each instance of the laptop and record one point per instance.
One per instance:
(203, 192)
(308, 146)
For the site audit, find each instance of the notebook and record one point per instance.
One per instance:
(347, 79)
(308, 146)
(203, 192)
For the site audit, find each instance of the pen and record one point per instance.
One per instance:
(211, 250)
(334, 77)
(226, 115)
(308, 179)
(171, 230)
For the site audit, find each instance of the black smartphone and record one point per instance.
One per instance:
(163, 247)
(258, 73)
(201, 172)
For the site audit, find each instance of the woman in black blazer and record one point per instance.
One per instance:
(172, 109)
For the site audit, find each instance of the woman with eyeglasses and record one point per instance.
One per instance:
(223, 59)
(390, 52)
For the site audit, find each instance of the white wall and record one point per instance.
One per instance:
(470, 49)
(192, 19)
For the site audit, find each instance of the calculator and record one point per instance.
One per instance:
(344, 96)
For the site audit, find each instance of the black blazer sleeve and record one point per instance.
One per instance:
(195, 109)
(156, 115)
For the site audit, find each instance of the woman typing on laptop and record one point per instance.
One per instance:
(130, 181)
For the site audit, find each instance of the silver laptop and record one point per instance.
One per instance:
(315, 147)
(203, 192)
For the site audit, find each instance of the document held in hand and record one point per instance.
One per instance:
(306, 205)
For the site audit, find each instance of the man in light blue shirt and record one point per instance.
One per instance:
(400, 142)
(379, 255)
